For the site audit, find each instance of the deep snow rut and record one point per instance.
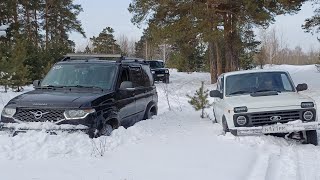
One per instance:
(293, 162)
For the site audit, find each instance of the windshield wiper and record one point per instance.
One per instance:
(267, 90)
(239, 92)
(80, 86)
(49, 86)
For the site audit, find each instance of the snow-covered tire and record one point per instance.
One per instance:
(106, 130)
(312, 137)
(225, 125)
(166, 80)
(151, 111)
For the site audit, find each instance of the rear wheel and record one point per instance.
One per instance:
(312, 137)
(151, 111)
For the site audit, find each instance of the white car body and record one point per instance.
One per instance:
(267, 108)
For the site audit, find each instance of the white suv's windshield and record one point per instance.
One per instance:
(258, 82)
(80, 75)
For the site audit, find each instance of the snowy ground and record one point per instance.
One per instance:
(176, 144)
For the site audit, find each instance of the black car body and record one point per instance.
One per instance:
(160, 73)
(90, 92)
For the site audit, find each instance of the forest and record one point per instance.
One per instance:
(216, 36)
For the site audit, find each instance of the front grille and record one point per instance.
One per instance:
(264, 118)
(28, 115)
(159, 72)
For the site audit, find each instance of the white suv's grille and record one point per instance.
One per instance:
(279, 116)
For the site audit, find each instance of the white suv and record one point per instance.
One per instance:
(257, 102)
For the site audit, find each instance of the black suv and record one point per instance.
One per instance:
(160, 73)
(86, 90)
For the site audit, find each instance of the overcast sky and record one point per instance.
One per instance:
(99, 14)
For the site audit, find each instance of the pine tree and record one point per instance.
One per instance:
(105, 42)
(19, 70)
(200, 100)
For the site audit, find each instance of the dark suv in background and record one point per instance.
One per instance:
(101, 92)
(160, 73)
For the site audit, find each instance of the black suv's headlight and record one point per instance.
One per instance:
(78, 113)
(8, 112)
(307, 104)
(166, 71)
(240, 109)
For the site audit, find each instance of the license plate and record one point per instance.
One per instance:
(276, 129)
(160, 75)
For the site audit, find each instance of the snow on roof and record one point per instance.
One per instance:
(253, 71)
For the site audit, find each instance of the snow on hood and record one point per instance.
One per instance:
(280, 100)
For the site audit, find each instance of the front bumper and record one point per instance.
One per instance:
(51, 128)
(160, 77)
(275, 128)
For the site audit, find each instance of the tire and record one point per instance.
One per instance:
(105, 131)
(149, 113)
(214, 119)
(312, 137)
(166, 80)
(225, 125)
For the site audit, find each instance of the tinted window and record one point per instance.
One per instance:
(148, 76)
(258, 82)
(136, 76)
(96, 75)
(156, 64)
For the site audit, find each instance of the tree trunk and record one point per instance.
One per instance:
(46, 23)
(213, 64)
(35, 24)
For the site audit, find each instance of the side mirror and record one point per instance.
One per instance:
(36, 83)
(126, 85)
(302, 87)
(216, 94)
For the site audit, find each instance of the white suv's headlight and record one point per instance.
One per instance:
(8, 112)
(78, 114)
(308, 115)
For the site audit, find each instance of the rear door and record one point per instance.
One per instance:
(141, 83)
(126, 102)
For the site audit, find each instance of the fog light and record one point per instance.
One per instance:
(241, 120)
(308, 115)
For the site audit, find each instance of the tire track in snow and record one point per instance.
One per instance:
(308, 162)
(285, 165)
(260, 167)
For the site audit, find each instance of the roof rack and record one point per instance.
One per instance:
(112, 57)
(77, 56)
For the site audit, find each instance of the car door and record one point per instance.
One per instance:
(126, 102)
(140, 83)
(218, 108)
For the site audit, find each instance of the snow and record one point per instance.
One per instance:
(176, 144)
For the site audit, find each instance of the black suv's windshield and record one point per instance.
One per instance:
(258, 82)
(80, 75)
(156, 64)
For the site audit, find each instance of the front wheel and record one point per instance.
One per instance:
(225, 126)
(106, 130)
(166, 79)
(312, 137)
